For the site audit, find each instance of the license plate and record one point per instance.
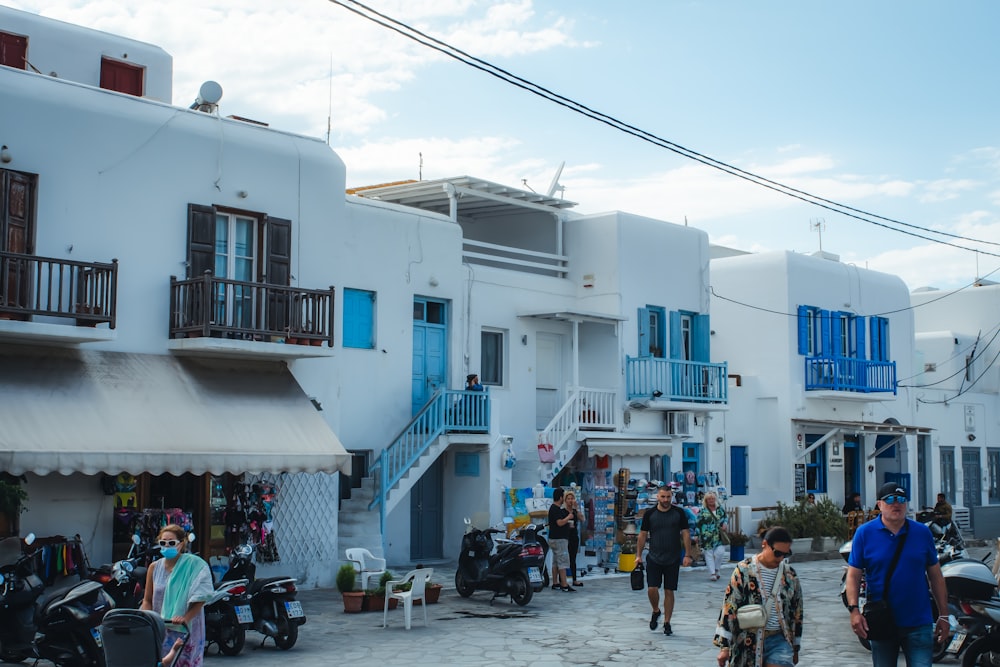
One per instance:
(294, 609)
(534, 575)
(97, 636)
(956, 643)
(244, 614)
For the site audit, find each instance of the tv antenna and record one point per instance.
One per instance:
(818, 225)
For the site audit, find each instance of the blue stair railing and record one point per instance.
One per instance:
(447, 411)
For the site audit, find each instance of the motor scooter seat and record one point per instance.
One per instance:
(56, 592)
(259, 584)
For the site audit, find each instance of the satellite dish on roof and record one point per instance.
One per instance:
(208, 97)
(554, 186)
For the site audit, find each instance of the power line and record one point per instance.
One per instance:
(536, 89)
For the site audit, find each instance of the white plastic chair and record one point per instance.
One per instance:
(366, 564)
(418, 584)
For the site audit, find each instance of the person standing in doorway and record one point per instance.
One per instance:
(710, 525)
(665, 528)
(559, 527)
(903, 548)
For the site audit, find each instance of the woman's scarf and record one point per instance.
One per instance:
(186, 583)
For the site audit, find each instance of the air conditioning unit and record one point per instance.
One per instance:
(679, 423)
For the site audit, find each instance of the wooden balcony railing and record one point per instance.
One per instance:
(223, 308)
(676, 380)
(842, 374)
(44, 286)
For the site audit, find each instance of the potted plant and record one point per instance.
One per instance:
(353, 600)
(737, 545)
(375, 597)
(12, 499)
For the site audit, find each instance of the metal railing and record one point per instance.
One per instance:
(448, 410)
(676, 380)
(515, 259)
(844, 374)
(85, 291)
(225, 308)
(585, 409)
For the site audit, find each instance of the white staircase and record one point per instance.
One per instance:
(357, 525)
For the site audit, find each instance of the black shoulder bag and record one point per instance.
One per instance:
(878, 613)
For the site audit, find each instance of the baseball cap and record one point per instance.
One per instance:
(891, 489)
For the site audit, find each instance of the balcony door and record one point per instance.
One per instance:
(235, 258)
(17, 234)
(430, 350)
(549, 378)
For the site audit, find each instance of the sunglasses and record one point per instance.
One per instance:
(169, 543)
(894, 499)
(778, 553)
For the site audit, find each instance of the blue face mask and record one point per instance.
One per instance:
(169, 552)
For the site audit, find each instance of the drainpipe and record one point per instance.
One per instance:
(449, 190)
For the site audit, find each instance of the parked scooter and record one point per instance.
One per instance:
(540, 531)
(968, 581)
(59, 624)
(125, 580)
(275, 611)
(228, 615)
(514, 569)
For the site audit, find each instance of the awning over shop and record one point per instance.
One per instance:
(892, 432)
(67, 410)
(619, 446)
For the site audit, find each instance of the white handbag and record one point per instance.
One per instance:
(754, 616)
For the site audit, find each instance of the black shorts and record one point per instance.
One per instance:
(666, 575)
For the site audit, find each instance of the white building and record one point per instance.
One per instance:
(119, 353)
(816, 349)
(955, 388)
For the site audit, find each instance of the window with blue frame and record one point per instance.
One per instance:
(816, 469)
(652, 331)
(689, 335)
(359, 319)
(824, 333)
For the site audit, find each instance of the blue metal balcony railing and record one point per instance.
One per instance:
(843, 374)
(448, 411)
(676, 380)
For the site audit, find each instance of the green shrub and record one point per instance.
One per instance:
(345, 578)
(803, 519)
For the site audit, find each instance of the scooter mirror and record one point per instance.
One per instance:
(135, 539)
(29, 539)
(191, 537)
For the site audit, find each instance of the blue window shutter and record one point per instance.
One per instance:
(859, 338)
(873, 329)
(835, 333)
(644, 334)
(738, 460)
(676, 344)
(804, 330)
(826, 349)
(700, 346)
(884, 338)
(359, 323)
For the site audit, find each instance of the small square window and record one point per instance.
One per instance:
(466, 464)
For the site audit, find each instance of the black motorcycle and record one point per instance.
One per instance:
(228, 616)
(510, 568)
(59, 624)
(275, 611)
(125, 580)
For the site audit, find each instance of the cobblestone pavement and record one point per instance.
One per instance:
(603, 623)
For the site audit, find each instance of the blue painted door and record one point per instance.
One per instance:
(429, 350)
(738, 470)
(426, 514)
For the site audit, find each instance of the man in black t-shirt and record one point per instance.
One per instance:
(559, 527)
(666, 529)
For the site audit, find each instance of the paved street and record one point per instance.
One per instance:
(604, 623)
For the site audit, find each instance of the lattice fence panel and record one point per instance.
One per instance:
(305, 527)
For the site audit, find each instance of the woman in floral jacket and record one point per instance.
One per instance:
(709, 526)
(776, 644)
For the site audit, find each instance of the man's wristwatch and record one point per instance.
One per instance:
(851, 607)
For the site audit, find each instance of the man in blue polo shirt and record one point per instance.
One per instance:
(873, 548)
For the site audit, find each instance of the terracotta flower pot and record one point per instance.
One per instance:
(353, 602)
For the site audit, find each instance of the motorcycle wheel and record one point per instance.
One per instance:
(979, 655)
(520, 591)
(233, 644)
(463, 585)
(287, 639)
(545, 578)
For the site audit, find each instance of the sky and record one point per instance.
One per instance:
(889, 107)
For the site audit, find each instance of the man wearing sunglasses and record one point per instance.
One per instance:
(873, 550)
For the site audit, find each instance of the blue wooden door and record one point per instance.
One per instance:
(738, 470)
(426, 515)
(429, 350)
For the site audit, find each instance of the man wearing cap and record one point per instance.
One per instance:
(873, 551)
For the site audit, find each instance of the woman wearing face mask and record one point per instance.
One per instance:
(177, 586)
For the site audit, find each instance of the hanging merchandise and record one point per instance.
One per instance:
(546, 454)
(260, 500)
(509, 458)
